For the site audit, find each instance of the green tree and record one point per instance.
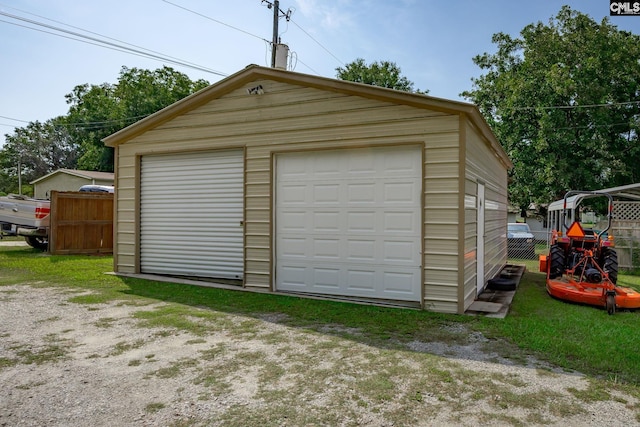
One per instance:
(36, 150)
(97, 111)
(384, 74)
(564, 100)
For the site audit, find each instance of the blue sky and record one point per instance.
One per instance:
(433, 42)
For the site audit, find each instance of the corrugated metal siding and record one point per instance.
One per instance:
(294, 118)
(441, 218)
(191, 214)
(482, 165)
(286, 118)
(125, 229)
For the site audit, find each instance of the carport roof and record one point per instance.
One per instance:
(628, 192)
(631, 191)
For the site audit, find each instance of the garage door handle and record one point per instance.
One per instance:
(241, 223)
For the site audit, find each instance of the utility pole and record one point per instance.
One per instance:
(275, 5)
(274, 44)
(20, 176)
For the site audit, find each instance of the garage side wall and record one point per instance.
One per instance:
(482, 165)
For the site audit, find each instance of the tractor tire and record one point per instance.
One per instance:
(609, 263)
(557, 261)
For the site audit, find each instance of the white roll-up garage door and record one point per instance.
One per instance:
(191, 213)
(348, 223)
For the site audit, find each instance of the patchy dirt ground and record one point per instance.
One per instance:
(63, 363)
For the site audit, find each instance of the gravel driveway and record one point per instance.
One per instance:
(70, 364)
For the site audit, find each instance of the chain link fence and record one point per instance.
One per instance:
(527, 247)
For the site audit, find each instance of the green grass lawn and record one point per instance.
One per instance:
(575, 337)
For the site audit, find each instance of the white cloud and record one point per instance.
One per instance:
(330, 17)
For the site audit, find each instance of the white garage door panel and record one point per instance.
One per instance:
(191, 214)
(348, 223)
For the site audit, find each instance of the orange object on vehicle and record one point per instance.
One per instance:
(582, 264)
(543, 263)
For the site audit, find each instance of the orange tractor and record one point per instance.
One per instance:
(582, 264)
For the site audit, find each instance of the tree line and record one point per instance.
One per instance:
(74, 141)
(563, 99)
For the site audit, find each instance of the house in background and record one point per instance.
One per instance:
(68, 180)
(295, 184)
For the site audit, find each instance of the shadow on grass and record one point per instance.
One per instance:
(452, 336)
(572, 336)
(575, 337)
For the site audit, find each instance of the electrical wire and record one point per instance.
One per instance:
(570, 107)
(215, 20)
(269, 42)
(293, 61)
(62, 36)
(94, 33)
(309, 67)
(105, 44)
(84, 124)
(317, 42)
(11, 118)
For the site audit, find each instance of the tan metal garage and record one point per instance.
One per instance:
(345, 190)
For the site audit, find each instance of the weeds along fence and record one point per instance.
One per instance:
(81, 223)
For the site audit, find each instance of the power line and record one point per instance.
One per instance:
(97, 34)
(300, 61)
(11, 118)
(317, 42)
(592, 126)
(286, 14)
(82, 124)
(570, 107)
(215, 20)
(105, 44)
(123, 50)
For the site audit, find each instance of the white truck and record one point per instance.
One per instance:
(23, 216)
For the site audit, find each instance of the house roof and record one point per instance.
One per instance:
(255, 72)
(104, 176)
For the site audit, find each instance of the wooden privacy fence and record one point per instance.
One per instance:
(81, 223)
